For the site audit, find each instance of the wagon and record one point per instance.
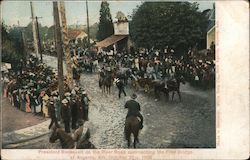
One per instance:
(146, 83)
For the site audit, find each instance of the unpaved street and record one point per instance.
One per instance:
(186, 124)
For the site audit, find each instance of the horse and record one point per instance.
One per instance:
(132, 125)
(174, 86)
(159, 87)
(107, 83)
(66, 140)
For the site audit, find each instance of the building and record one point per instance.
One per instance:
(75, 34)
(211, 28)
(120, 40)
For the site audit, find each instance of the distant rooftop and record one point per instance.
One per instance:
(211, 18)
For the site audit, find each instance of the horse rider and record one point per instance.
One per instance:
(52, 113)
(120, 85)
(81, 136)
(66, 115)
(134, 109)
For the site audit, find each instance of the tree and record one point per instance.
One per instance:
(92, 30)
(12, 46)
(121, 17)
(50, 33)
(105, 28)
(175, 24)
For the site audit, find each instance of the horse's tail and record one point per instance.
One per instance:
(128, 130)
(100, 83)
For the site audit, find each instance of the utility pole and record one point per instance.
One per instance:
(59, 49)
(23, 41)
(87, 10)
(35, 42)
(39, 41)
(24, 45)
(66, 45)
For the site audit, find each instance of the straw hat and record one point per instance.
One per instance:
(65, 101)
(67, 94)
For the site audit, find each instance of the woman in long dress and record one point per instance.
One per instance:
(45, 105)
(27, 105)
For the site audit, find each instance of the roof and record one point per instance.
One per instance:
(211, 18)
(110, 40)
(74, 33)
(210, 25)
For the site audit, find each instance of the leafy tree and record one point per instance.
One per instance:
(12, 47)
(92, 31)
(175, 24)
(28, 31)
(105, 28)
(50, 32)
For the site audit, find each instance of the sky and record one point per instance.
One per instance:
(14, 11)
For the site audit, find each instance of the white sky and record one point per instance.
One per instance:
(14, 11)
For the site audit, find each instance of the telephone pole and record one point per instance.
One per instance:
(22, 40)
(39, 41)
(35, 42)
(87, 10)
(59, 49)
(66, 45)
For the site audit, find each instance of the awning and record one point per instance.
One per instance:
(110, 40)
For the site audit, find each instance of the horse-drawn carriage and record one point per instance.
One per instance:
(159, 86)
(146, 83)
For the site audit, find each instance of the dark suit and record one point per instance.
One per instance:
(120, 86)
(52, 114)
(66, 117)
(134, 109)
(74, 114)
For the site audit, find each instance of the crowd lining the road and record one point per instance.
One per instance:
(33, 89)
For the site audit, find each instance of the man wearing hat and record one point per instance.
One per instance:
(134, 108)
(52, 113)
(57, 106)
(74, 112)
(120, 86)
(66, 115)
(85, 100)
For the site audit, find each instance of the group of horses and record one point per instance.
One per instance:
(158, 86)
(132, 124)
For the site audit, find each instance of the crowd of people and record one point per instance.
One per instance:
(33, 89)
(154, 64)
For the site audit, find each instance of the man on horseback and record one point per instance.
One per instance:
(134, 109)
